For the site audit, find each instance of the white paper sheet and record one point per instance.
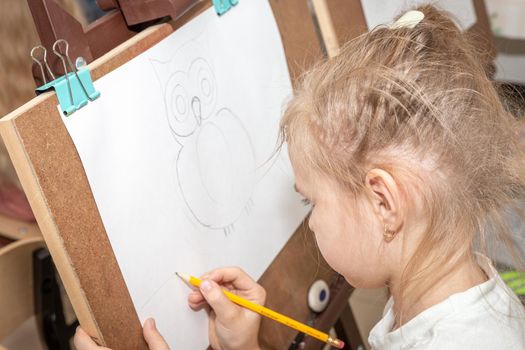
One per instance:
(176, 151)
(383, 12)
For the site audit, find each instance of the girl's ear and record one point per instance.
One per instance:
(386, 198)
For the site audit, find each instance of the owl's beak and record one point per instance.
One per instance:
(196, 108)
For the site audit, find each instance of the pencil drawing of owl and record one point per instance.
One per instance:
(216, 162)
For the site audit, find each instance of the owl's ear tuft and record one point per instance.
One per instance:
(161, 71)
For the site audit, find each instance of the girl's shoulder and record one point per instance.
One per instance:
(488, 329)
(487, 316)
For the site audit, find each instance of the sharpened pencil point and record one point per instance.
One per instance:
(183, 276)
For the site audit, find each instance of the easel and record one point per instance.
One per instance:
(69, 220)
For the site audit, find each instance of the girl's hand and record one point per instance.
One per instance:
(231, 327)
(154, 339)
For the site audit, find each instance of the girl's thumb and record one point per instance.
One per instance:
(224, 309)
(153, 337)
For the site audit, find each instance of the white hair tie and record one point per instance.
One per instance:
(408, 20)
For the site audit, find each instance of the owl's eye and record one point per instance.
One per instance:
(179, 99)
(204, 85)
(178, 109)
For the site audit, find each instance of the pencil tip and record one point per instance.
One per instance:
(182, 276)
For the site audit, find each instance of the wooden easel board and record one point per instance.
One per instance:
(57, 188)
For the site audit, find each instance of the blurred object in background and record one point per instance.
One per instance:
(17, 37)
(506, 17)
(91, 10)
(508, 27)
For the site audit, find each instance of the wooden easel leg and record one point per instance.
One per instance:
(346, 330)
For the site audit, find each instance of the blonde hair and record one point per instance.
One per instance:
(417, 103)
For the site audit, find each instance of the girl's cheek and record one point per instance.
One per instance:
(312, 221)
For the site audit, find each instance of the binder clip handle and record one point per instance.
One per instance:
(62, 56)
(75, 87)
(65, 56)
(39, 61)
(223, 6)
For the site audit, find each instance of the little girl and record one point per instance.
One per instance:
(408, 157)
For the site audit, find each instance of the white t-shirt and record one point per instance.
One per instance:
(487, 316)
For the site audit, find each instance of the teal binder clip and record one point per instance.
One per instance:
(223, 6)
(74, 89)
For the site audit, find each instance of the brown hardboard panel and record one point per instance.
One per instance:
(56, 185)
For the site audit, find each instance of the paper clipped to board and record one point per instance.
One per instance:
(178, 155)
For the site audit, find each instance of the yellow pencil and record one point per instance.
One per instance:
(301, 327)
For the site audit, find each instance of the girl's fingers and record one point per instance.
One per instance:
(195, 297)
(83, 341)
(238, 281)
(234, 275)
(199, 306)
(153, 337)
(196, 301)
(225, 310)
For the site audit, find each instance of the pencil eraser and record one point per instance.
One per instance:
(339, 344)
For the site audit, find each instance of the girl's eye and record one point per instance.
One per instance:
(306, 202)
